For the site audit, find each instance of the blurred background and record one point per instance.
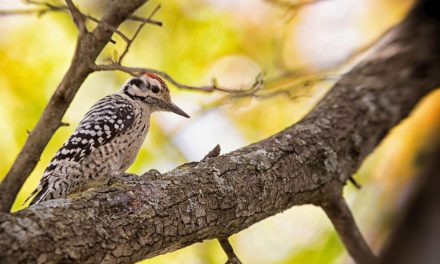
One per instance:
(232, 41)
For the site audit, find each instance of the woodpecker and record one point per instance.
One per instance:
(108, 138)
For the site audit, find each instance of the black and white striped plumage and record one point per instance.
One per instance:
(107, 139)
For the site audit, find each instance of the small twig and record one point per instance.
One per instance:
(77, 16)
(271, 89)
(207, 88)
(340, 215)
(354, 182)
(149, 19)
(45, 7)
(213, 153)
(254, 91)
(294, 5)
(297, 85)
(13, 12)
(136, 33)
(146, 20)
(227, 248)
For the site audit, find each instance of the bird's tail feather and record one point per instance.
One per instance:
(38, 194)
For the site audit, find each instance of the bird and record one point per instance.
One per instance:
(107, 139)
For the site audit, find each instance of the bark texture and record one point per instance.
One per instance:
(141, 217)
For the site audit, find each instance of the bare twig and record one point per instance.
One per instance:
(145, 20)
(77, 16)
(270, 90)
(14, 12)
(295, 4)
(136, 33)
(260, 89)
(227, 248)
(44, 8)
(206, 88)
(354, 182)
(296, 85)
(293, 7)
(149, 19)
(340, 215)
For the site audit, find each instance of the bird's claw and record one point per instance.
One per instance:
(153, 174)
(123, 176)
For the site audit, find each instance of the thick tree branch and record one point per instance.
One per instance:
(142, 217)
(88, 47)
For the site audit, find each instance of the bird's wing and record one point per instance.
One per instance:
(109, 117)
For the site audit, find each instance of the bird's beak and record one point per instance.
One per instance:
(175, 109)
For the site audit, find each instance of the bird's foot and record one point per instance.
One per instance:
(152, 174)
(122, 176)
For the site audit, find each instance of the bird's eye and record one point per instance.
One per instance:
(137, 82)
(155, 89)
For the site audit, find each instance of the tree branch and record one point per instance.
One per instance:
(88, 48)
(141, 217)
(340, 215)
(227, 248)
(77, 16)
(136, 33)
(44, 8)
(206, 88)
(148, 20)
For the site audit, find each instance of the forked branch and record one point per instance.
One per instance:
(77, 16)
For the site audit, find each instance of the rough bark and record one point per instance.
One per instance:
(88, 47)
(141, 217)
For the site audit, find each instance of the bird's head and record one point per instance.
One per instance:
(152, 90)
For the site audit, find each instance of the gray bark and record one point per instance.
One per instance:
(308, 163)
